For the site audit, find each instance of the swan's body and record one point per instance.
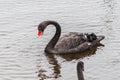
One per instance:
(72, 43)
(80, 69)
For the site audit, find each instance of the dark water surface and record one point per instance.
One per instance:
(22, 52)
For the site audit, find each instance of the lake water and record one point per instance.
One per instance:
(22, 54)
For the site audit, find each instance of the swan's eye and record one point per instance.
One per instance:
(41, 27)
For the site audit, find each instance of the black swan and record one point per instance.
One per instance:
(80, 69)
(72, 43)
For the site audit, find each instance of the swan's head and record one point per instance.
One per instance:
(41, 28)
(80, 65)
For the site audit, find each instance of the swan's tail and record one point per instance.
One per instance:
(99, 38)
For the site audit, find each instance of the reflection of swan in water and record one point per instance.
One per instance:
(55, 68)
(80, 69)
(71, 43)
(55, 63)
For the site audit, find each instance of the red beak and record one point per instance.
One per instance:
(39, 33)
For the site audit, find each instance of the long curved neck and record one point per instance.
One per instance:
(53, 41)
(79, 73)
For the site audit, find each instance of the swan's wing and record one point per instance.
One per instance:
(69, 41)
(71, 34)
(82, 47)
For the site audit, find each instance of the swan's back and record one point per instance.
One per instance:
(72, 40)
